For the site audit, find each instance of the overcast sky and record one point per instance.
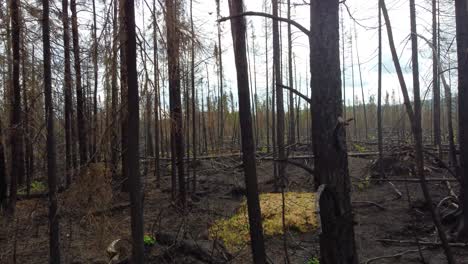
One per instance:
(363, 11)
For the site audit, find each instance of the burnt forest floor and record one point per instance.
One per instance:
(91, 217)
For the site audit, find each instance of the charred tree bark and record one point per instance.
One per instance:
(177, 135)
(192, 78)
(292, 124)
(54, 232)
(221, 82)
(238, 30)
(156, 96)
(114, 97)
(461, 10)
(16, 131)
(279, 97)
(68, 93)
(328, 131)
(80, 98)
(95, 71)
(379, 99)
(128, 39)
(435, 80)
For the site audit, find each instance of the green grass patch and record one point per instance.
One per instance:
(300, 216)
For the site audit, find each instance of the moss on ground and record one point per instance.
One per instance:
(300, 216)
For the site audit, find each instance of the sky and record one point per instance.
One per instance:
(362, 11)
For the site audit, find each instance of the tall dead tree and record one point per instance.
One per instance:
(435, 79)
(95, 71)
(221, 82)
(54, 232)
(238, 29)
(68, 93)
(337, 243)
(192, 78)
(279, 96)
(114, 96)
(379, 98)
(156, 96)
(80, 98)
(128, 39)
(461, 10)
(292, 124)
(16, 131)
(177, 135)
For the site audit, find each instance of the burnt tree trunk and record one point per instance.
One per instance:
(16, 131)
(328, 132)
(238, 29)
(68, 93)
(128, 39)
(461, 7)
(80, 98)
(54, 232)
(177, 135)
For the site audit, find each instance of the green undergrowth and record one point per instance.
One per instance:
(300, 216)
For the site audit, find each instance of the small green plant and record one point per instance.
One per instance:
(149, 240)
(313, 260)
(37, 186)
(359, 148)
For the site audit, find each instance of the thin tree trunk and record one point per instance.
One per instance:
(435, 80)
(68, 94)
(54, 232)
(267, 86)
(221, 81)
(80, 98)
(192, 78)
(238, 29)
(362, 86)
(156, 97)
(379, 99)
(292, 124)
(16, 132)
(95, 68)
(279, 96)
(114, 98)
(173, 52)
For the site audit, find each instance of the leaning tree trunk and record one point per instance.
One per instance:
(238, 29)
(415, 115)
(337, 243)
(54, 232)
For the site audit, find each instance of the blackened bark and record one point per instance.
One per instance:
(3, 183)
(156, 97)
(54, 232)
(292, 124)
(328, 131)
(238, 29)
(95, 71)
(279, 97)
(128, 39)
(16, 131)
(68, 93)
(461, 9)
(114, 98)
(123, 99)
(80, 104)
(435, 79)
(177, 135)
